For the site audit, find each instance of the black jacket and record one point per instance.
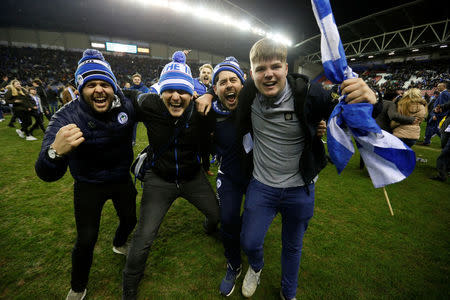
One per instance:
(25, 102)
(178, 158)
(312, 104)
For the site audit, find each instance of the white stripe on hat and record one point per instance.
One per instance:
(177, 81)
(95, 61)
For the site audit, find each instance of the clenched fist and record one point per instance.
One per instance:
(68, 138)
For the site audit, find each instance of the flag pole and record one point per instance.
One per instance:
(387, 200)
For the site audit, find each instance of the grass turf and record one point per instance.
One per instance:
(353, 248)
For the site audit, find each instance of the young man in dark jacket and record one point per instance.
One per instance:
(281, 112)
(92, 135)
(176, 133)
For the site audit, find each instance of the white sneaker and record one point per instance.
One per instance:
(121, 249)
(76, 296)
(250, 283)
(20, 133)
(284, 298)
(30, 138)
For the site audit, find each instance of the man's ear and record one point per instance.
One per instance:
(215, 89)
(251, 74)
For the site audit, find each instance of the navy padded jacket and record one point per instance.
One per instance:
(106, 154)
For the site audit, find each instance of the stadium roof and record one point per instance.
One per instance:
(131, 19)
(409, 26)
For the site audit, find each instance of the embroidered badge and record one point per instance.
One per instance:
(288, 116)
(122, 118)
(80, 79)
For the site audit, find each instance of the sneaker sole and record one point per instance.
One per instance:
(117, 251)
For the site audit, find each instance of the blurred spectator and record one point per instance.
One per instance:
(436, 117)
(68, 94)
(412, 105)
(37, 112)
(39, 85)
(22, 106)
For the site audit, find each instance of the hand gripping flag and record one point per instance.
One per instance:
(388, 160)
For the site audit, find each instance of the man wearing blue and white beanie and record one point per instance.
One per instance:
(231, 181)
(176, 133)
(92, 136)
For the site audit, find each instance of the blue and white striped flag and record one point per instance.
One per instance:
(388, 160)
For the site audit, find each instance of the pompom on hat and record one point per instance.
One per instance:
(229, 64)
(93, 66)
(177, 75)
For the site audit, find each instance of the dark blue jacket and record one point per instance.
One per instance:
(141, 88)
(199, 87)
(443, 98)
(227, 144)
(106, 154)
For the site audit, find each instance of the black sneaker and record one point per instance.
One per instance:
(209, 227)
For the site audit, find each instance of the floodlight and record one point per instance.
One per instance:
(161, 3)
(443, 46)
(244, 25)
(391, 53)
(415, 50)
(180, 7)
(370, 56)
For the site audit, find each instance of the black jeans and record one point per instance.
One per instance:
(157, 197)
(89, 199)
(39, 122)
(25, 118)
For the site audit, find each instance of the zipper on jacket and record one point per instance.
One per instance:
(176, 162)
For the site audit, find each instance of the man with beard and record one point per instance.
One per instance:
(231, 181)
(203, 82)
(92, 135)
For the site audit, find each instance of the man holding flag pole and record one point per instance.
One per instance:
(277, 117)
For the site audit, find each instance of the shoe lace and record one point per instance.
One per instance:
(231, 273)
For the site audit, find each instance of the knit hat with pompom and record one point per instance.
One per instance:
(177, 75)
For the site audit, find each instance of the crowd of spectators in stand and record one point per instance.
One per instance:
(428, 74)
(56, 67)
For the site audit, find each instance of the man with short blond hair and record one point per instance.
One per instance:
(277, 116)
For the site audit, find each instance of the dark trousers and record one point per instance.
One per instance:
(88, 203)
(157, 197)
(431, 129)
(230, 199)
(25, 118)
(409, 142)
(443, 160)
(38, 123)
(262, 203)
(205, 160)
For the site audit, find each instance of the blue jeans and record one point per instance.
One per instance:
(230, 195)
(262, 203)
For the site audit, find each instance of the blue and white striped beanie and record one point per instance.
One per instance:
(177, 75)
(94, 66)
(229, 64)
